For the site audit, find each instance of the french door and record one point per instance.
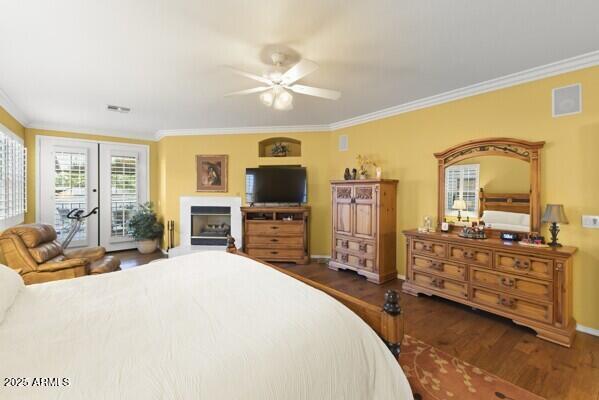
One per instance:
(109, 177)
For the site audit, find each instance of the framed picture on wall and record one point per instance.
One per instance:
(211, 173)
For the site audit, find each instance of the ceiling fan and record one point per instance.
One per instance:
(276, 93)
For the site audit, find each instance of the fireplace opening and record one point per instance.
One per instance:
(210, 225)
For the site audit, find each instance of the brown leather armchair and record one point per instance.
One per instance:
(34, 252)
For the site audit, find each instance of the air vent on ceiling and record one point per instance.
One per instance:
(120, 109)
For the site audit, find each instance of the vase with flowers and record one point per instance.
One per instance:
(364, 163)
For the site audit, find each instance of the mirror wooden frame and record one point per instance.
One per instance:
(506, 147)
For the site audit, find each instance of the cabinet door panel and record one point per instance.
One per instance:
(365, 211)
(342, 209)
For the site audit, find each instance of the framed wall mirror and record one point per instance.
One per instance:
(496, 180)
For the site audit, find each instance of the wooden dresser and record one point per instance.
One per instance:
(364, 228)
(276, 233)
(531, 286)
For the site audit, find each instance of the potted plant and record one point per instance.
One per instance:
(145, 228)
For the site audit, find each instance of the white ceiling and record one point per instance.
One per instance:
(63, 61)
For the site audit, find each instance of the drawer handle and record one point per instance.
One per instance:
(274, 227)
(427, 247)
(437, 266)
(362, 247)
(522, 265)
(468, 254)
(345, 243)
(274, 252)
(344, 257)
(507, 282)
(438, 283)
(361, 262)
(507, 302)
(274, 240)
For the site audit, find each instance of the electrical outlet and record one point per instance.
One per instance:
(590, 221)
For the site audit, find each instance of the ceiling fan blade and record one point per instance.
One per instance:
(249, 91)
(250, 75)
(298, 71)
(318, 92)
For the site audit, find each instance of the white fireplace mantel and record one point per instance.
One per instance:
(185, 204)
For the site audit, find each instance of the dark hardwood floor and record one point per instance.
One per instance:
(487, 341)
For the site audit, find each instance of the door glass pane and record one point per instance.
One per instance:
(70, 190)
(123, 182)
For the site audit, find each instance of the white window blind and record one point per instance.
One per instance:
(124, 196)
(461, 182)
(13, 179)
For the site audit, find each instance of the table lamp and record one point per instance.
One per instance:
(459, 205)
(554, 214)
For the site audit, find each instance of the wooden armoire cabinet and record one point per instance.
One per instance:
(364, 236)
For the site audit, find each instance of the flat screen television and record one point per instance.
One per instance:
(275, 185)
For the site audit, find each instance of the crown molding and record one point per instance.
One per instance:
(12, 109)
(47, 126)
(517, 78)
(242, 130)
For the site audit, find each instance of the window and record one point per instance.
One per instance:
(461, 182)
(70, 191)
(13, 179)
(123, 183)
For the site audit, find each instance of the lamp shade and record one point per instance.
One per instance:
(459, 204)
(555, 213)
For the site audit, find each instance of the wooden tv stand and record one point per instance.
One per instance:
(277, 234)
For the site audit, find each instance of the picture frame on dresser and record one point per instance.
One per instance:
(532, 286)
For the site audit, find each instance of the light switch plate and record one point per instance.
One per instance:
(590, 221)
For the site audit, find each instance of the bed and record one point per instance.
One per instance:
(209, 325)
(505, 211)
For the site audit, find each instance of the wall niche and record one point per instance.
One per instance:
(280, 147)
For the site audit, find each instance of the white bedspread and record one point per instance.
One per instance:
(207, 325)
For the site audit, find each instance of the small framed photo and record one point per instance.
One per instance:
(212, 173)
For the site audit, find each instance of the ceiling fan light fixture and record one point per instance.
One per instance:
(284, 100)
(267, 98)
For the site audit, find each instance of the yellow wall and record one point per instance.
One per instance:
(30, 138)
(11, 123)
(404, 146)
(178, 173)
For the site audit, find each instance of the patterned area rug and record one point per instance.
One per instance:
(435, 375)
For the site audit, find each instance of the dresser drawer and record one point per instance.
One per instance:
(453, 288)
(356, 261)
(512, 304)
(521, 264)
(275, 241)
(275, 228)
(443, 268)
(276, 254)
(429, 247)
(364, 248)
(471, 255)
(514, 284)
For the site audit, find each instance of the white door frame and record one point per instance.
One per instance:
(66, 140)
(91, 186)
(105, 199)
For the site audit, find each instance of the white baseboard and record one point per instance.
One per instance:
(586, 329)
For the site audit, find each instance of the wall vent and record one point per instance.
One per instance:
(567, 100)
(343, 143)
(120, 109)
